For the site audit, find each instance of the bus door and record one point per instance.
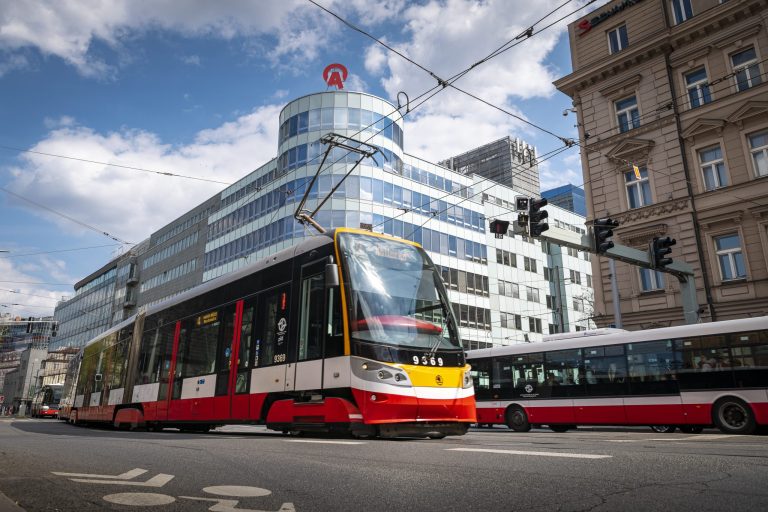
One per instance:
(307, 372)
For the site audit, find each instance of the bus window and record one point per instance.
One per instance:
(563, 373)
(503, 378)
(530, 375)
(481, 376)
(749, 359)
(652, 366)
(606, 370)
(702, 363)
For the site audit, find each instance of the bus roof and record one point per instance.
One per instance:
(664, 333)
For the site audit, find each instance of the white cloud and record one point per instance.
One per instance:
(192, 60)
(131, 204)
(449, 36)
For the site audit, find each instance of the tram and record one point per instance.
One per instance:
(349, 331)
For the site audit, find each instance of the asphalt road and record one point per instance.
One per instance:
(46, 465)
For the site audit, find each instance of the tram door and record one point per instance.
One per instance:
(307, 372)
(242, 361)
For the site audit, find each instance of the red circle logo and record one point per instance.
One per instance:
(334, 75)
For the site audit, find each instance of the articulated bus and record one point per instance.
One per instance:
(349, 331)
(45, 404)
(686, 377)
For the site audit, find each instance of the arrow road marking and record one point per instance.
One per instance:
(158, 480)
(231, 505)
(125, 476)
(539, 454)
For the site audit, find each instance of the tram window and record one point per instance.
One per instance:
(155, 355)
(242, 384)
(224, 350)
(311, 326)
(272, 327)
(197, 345)
(334, 339)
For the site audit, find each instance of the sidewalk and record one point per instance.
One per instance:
(8, 505)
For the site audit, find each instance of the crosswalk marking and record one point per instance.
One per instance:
(537, 454)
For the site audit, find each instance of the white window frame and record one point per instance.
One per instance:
(628, 112)
(760, 150)
(729, 254)
(635, 183)
(620, 45)
(681, 8)
(655, 280)
(698, 88)
(711, 166)
(746, 67)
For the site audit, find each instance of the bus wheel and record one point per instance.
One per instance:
(663, 429)
(733, 416)
(517, 420)
(691, 429)
(560, 428)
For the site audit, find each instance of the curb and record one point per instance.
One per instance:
(8, 505)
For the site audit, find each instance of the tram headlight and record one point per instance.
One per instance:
(467, 380)
(384, 375)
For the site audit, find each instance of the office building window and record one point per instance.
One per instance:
(698, 87)
(627, 114)
(730, 257)
(746, 69)
(651, 280)
(534, 324)
(758, 146)
(617, 39)
(713, 168)
(682, 10)
(638, 190)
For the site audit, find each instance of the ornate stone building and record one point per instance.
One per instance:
(679, 89)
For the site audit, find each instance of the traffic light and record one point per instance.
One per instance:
(535, 217)
(660, 247)
(602, 231)
(499, 227)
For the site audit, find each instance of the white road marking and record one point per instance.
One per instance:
(231, 505)
(538, 454)
(139, 499)
(125, 476)
(698, 437)
(322, 442)
(622, 440)
(158, 480)
(239, 491)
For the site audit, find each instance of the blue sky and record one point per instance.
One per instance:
(195, 88)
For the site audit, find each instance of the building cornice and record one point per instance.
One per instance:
(616, 139)
(648, 212)
(666, 41)
(641, 235)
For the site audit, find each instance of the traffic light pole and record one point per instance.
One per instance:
(682, 271)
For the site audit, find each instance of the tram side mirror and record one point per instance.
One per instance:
(97, 377)
(331, 275)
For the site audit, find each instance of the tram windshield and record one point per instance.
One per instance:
(395, 295)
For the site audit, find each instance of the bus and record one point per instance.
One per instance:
(349, 331)
(687, 377)
(45, 403)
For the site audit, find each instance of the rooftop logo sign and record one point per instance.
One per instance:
(334, 75)
(588, 24)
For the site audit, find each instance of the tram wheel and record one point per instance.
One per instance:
(517, 419)
(733, 416)
(561, 428)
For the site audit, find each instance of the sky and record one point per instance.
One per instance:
(195, 88)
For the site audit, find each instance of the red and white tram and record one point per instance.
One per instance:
(685, 377)
(368, 345)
